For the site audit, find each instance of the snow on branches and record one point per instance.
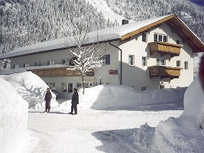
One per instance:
(87, 58)
(86, 55)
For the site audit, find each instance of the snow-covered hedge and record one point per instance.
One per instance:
(13, 119)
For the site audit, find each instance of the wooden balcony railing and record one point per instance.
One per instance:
(62, 71)
(164, 72)
(164, 48)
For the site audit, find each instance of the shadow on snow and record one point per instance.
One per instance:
(138, 140)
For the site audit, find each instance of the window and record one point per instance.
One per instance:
(161, 62)
(16, 66)
(63, 87)
(144, 37)
(51, 62)
(51, 85)
(131, 60)
(37, 64)
(186, 65)
(106, 59)
(155, 37)
(63, 61)
(26, 65)
(160, 37)
(161, 86)
(78, 85)
(178, 42)
(86, 85)
(71, 61)
(164, 38)
(144, 61)
(70, 87)
(178, 63)
(143, 88)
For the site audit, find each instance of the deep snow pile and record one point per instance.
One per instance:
(31, 87)
(13, 119)
(127, 98)
(184, 134)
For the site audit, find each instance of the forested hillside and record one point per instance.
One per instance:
(24, 22)
(191, 14)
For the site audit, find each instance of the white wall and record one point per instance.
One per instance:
(138, 75)
(103, 72)
(43, 58)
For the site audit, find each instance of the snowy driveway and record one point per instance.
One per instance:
(59, 132)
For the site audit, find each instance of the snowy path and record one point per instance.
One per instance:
(59, 132)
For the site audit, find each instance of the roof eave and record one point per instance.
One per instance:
(197, 46)
(145, 28)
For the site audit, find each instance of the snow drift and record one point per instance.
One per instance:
(127, 98)
(13, 119)
(31, 87)
(184, 134)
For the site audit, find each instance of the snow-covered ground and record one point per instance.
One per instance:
(109, 120)
(91, 131)
(113, 119)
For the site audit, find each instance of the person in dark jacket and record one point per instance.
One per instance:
(75, 101)
(48, 98)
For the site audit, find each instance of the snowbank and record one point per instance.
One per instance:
(184, 134)
(13, 120)
(127, 98)
(31, 87)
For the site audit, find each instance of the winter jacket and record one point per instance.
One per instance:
(48, 96)
(75, 98)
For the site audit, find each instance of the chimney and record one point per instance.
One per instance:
(125, 21)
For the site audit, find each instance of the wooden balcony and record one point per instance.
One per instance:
(58, 72)
(164, 48)
(164, 72)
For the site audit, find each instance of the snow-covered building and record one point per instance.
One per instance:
(150, 54)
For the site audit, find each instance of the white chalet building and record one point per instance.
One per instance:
(151, 54)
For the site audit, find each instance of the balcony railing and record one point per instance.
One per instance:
(61, 71)
(164, 48)
(164, 72)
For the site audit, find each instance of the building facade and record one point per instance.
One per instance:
(152, 54)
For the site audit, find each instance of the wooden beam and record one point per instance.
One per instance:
(186, 38)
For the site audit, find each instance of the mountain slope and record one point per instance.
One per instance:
(191, 14)
(24, 22)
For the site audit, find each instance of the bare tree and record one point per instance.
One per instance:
(86, 55)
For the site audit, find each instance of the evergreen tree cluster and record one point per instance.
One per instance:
(191, 14)
(25, 22)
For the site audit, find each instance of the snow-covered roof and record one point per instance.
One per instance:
(120, 32)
